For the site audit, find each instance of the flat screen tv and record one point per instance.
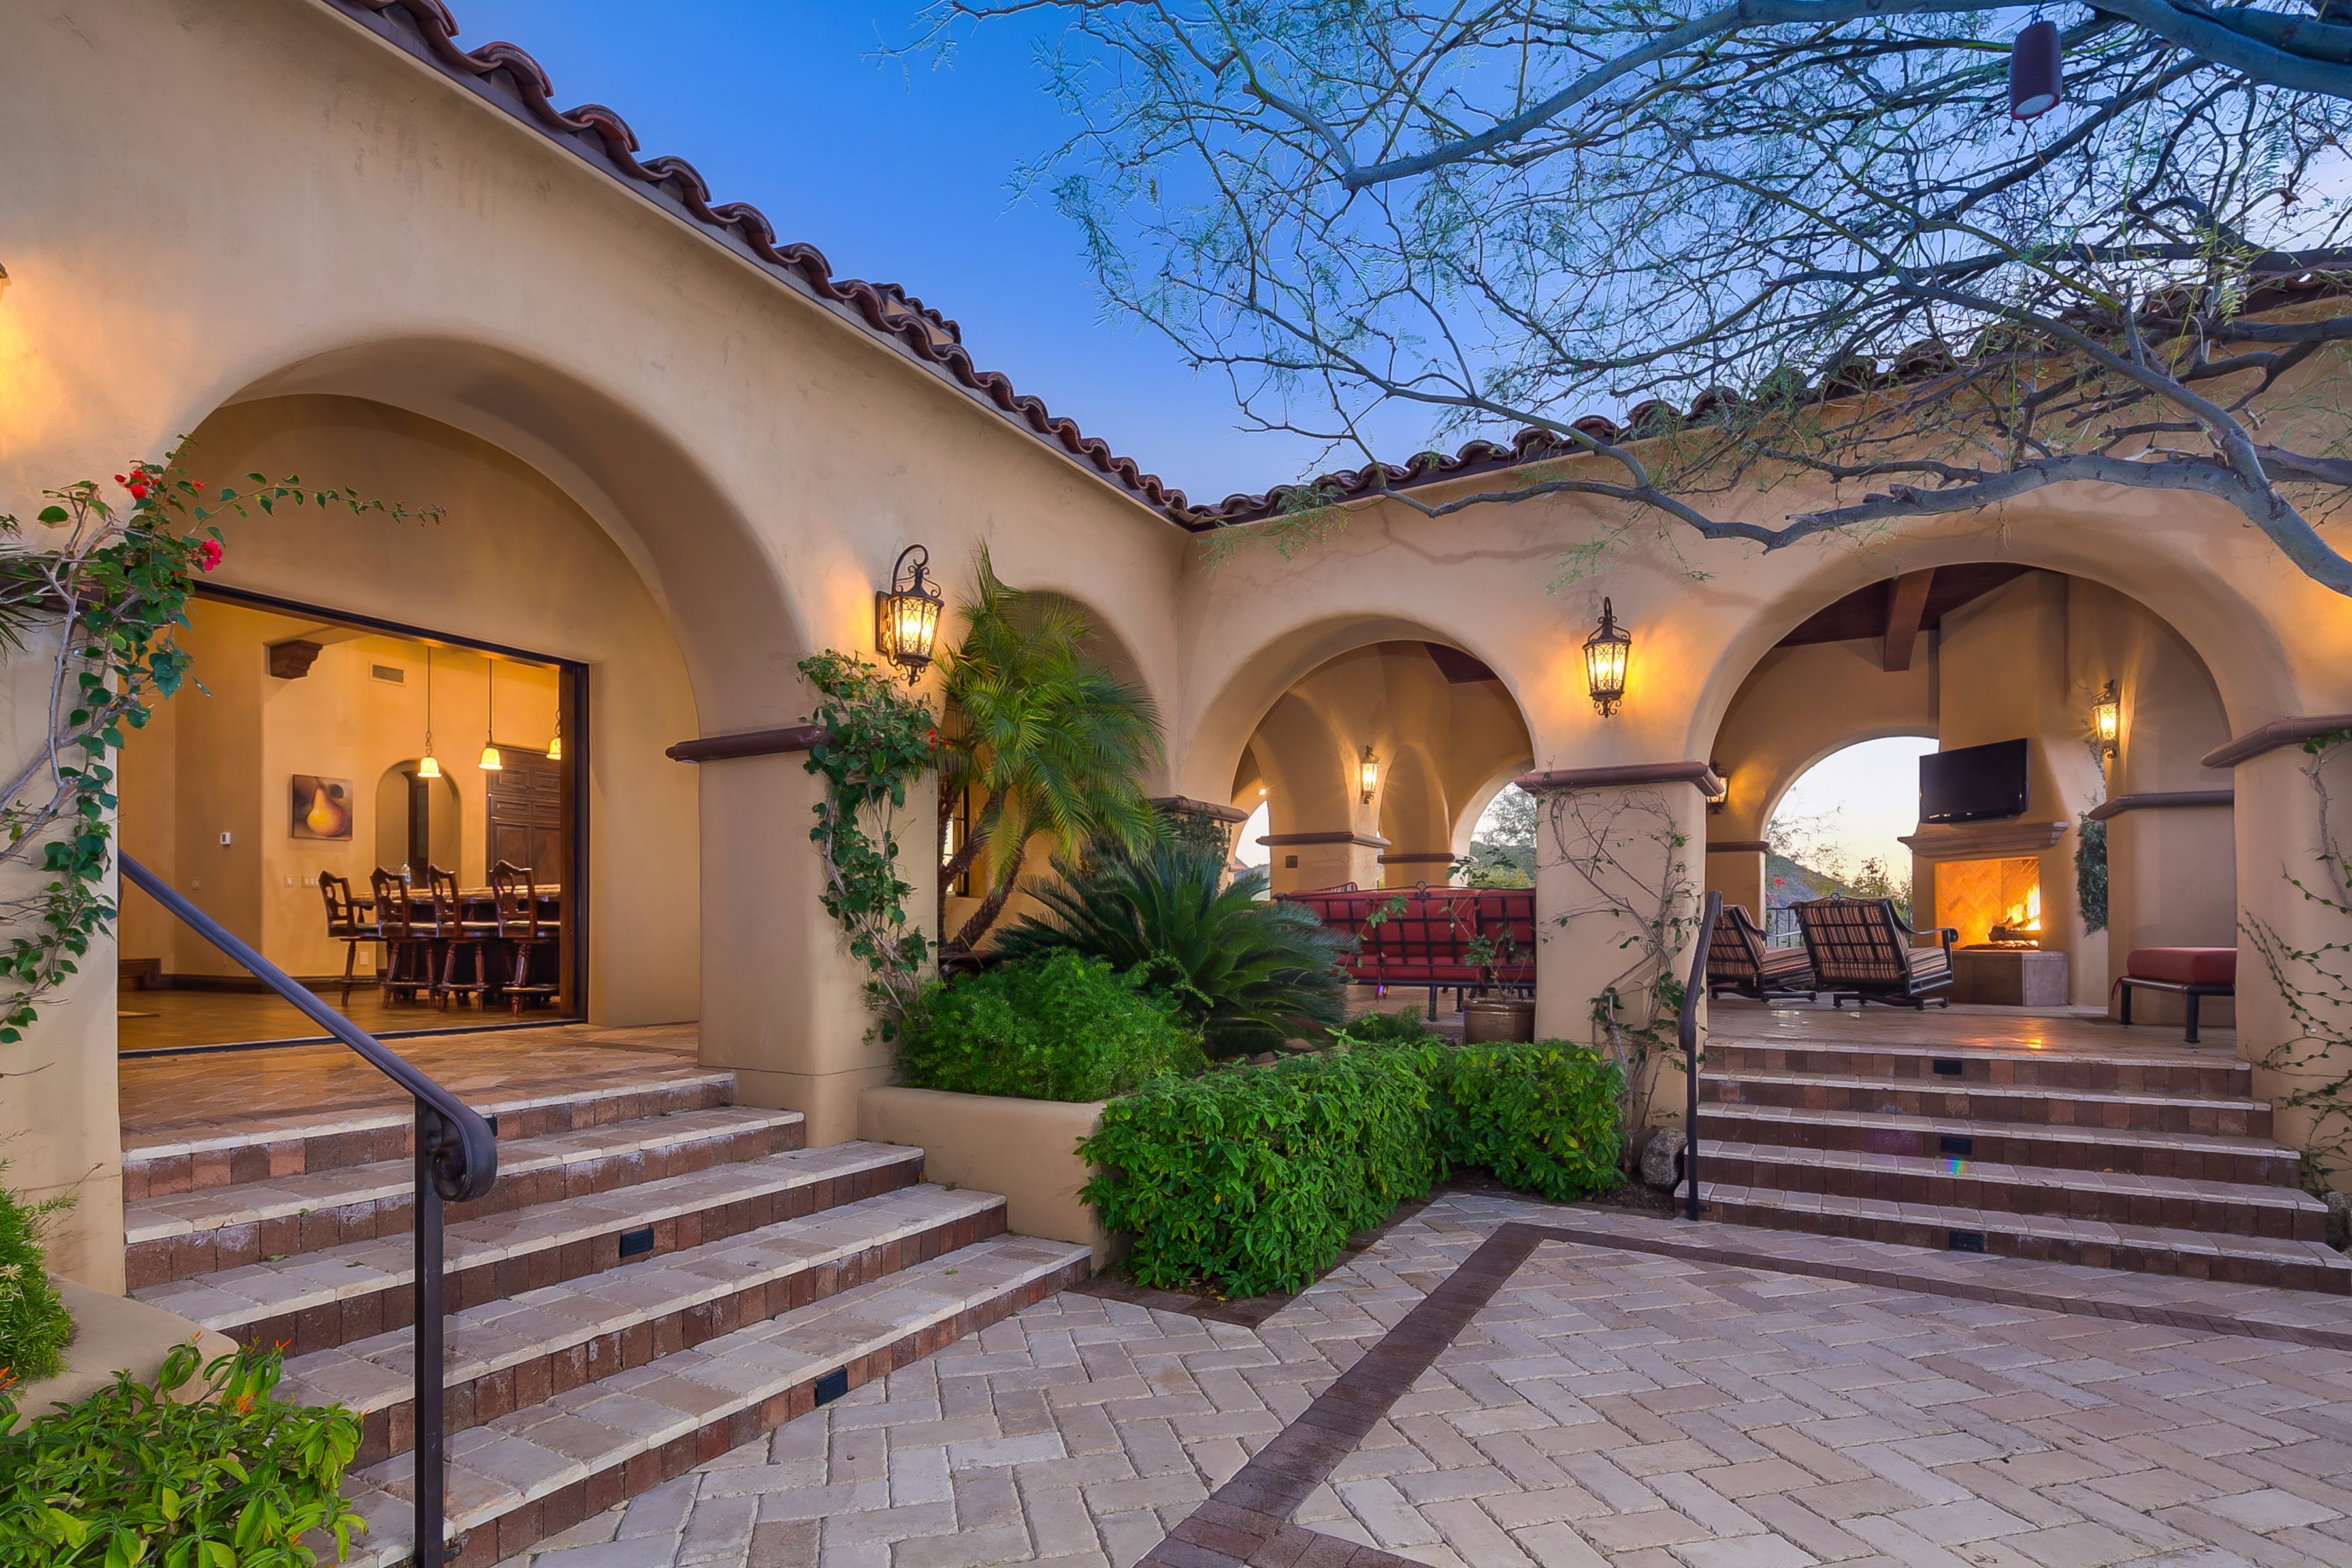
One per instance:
(1975, 784)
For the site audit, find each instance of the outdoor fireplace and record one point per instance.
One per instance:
(1992, 903)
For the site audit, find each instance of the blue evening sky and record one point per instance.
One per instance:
(900, 173)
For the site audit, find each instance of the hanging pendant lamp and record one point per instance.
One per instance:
(2035, 84)
(555, 746)
(429, 768)
(491, 763)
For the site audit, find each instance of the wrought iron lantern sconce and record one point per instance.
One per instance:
(2036, 84)
(1722, 796)
(2107, 719)
(1367, 774)
(907, 615)
(1606, 652)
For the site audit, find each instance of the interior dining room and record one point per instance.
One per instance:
(388, 815)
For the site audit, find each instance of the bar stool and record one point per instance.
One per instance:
(407, 945)
(344, 925)
(454, 931)
(521, 927)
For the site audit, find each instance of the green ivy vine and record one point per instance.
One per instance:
(879, 740)
(109, 581)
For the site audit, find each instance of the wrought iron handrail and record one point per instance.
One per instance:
(1687, 1031)
(457, 1159)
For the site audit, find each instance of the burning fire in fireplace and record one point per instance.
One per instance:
(1991, 902)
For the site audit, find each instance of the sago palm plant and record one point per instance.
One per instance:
(1249, 974)
(1053, 742)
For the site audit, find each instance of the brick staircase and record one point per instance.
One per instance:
(658, 1276)
(2162, 1162)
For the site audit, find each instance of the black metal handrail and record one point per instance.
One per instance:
(457, 1160)
(1687, 1030)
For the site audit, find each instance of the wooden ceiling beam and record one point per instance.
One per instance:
(1907, 606)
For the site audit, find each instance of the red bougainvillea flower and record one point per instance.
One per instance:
(210, 550)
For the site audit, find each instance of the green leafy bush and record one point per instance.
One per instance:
(1404, 1027)
(1542, 1117)
(1252, 1179)
(34, 1327)
(128, 1476)
(1057, 1026)
(1249, 974)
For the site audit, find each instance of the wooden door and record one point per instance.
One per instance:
(525, 821)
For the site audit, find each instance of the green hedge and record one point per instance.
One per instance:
(1057, 1027)
(1252, 1179)
(34, 1327)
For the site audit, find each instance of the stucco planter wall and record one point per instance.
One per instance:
(111, 1334)
(1024, 1149)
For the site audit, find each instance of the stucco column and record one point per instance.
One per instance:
(1327, 859)
(1619, 856)
(2287, 1027)
(1736, 870)
(783, 1000)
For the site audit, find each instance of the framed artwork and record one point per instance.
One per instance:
(321, 808)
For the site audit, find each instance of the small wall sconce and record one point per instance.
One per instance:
(1715, 801)
(1605, 655)
(2107, 719)
(1367, 774)
(907, 615)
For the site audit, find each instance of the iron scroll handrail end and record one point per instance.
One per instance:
(1687, 1033)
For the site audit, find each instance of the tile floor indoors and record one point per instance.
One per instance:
(1644, 1404)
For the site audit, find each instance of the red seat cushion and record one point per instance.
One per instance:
(2184, 965)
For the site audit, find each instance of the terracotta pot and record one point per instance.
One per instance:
(1486, 1019)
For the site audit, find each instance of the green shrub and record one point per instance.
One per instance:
(1249, 974)
(1252, 1179)
(34, 1327)
(1404, 1027)
(128, 1476)
(1542, 1117)
(1060, 1027)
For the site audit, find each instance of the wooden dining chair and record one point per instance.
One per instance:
(523, 929)
(344, 924)
(457, 934)
(408, 950)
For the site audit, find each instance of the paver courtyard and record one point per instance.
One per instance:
(1604, 1406)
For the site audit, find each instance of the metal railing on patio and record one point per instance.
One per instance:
(457, 1160)
(1687, 1035)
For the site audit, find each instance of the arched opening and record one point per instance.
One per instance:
(1825, 790)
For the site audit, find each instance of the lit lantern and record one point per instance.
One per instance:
(491, 761)
(906, 616)
(1605, 655)
(555, 746)
(2107, 719)
(1367, 774)
(429, 768)
(1722, 796)
(2035, 86)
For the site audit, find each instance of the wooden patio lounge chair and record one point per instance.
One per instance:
(1738, 961)
(1861, 948)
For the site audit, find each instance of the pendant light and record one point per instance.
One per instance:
(491, 763)
(2035, 84)
(555, 746)
(429, 768)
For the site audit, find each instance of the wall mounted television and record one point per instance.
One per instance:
(1974, 784)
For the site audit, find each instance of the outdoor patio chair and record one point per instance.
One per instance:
(1861, 948)
(1739, 961)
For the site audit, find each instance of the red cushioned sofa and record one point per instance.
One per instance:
(2190, 972)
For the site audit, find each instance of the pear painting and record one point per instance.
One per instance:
(322, 807)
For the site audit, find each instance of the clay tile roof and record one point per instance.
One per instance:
(508, 78)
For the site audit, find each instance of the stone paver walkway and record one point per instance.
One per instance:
(1605, 1407)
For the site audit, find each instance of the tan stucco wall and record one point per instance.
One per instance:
(1024, 1150)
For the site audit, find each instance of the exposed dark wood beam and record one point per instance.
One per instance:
(1905, 607)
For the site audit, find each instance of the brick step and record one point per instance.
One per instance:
(2150, 1249)
(539, 1471)
(266, 1148)
(361, 1288)
(188, 1234)
(2190, 1156)
(1991, 1103)
(2217, 1075)
(2223, 1208)
(506, 1355)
